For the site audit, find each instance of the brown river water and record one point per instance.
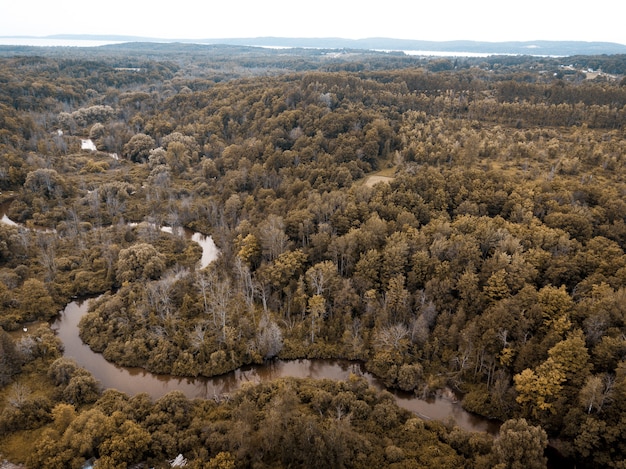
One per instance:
(137, 380)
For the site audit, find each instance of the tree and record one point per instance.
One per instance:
(596, 392)
(81, 389)
(35, 300)
(157, 158)
(496, 288)
(138, 148)
(97, 132)
(9, 358)
(537, 391)
(216, 295)
(86, 432)
(572, 358)
(249, 249)
(89, 115)
(177, 157)
(409, 376)
(222, 460)
(272, 237)
(269, 338)
(140, 261)
(127, 445)
(316, 309)
(322, 277)
(62, 370)
(283, 274)
(395, 256)
(397, 300)
(45, 182)
(367, 270)
(520, 445)
(63, 415)
(555, 303)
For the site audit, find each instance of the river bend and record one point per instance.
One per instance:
(137, 380)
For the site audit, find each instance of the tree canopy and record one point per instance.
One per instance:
(450, 224)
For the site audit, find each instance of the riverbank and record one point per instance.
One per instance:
(132, 381)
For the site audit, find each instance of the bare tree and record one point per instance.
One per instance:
(273, 238)
(47, 253)
(320, 276)
(18, 395)
(245, 281)
(159, 296)
(393, 337)
(269, 338)
(316, 309)
(216, 294)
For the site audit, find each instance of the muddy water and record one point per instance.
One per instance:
(136, 380)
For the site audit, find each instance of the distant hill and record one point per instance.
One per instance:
(537, 48)
(447, 47)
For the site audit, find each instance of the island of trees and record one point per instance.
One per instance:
(451, 223)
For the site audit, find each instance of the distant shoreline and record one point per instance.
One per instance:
(408, 47)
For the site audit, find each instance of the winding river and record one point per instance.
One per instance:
(137, 380)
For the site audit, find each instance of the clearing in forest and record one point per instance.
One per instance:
(385, 175)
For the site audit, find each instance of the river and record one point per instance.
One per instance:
(137, 380)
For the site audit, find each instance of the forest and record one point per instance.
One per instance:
(451, 224)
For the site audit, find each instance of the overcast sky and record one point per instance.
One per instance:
(483, 20)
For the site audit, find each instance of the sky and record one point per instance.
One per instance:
(436, 20)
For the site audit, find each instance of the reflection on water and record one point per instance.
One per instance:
(136, 380)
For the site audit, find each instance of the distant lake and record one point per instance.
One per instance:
(433, 53)
(57, 42)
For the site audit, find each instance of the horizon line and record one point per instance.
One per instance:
(167, 39)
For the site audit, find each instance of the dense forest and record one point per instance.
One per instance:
(452, 224)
